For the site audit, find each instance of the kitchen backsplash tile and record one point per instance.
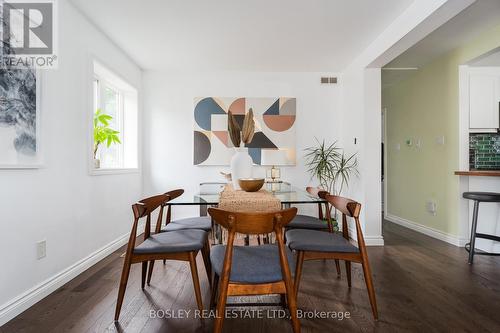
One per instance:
(484, 151)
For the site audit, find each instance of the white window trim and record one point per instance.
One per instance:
(112, 171)
(103, 83)
(109, 171)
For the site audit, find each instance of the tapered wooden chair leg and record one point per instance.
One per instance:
(337, 265)
(150, 271)
(123, 287)
(143, 274)
(205, 252)
(292, 303)
(221, 304)
(348, 272)
(298, 271)
(196, 281)
(370, 288)
(213, 293)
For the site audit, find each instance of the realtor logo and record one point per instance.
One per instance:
(28, 33)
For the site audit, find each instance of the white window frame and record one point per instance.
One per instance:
(102, 84)
(123, 89)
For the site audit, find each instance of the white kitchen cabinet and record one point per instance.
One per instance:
(484, 98)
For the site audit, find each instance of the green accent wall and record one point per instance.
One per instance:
(425, 106)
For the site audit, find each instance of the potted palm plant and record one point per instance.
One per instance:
(103, 134)
(331, 167)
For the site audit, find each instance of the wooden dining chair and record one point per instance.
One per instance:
(252, 270)
(322, 222)
(314, 245)
(174, 245)
(197, 222)
(312, 222)
(200, 222)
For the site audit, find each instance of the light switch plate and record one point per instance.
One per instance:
(41, 249)
(431, 207)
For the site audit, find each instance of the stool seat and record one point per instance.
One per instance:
(482, 196)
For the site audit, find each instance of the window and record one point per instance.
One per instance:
(117, 100)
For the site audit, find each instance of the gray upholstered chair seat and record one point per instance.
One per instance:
(252, 264)
(314, 240)
(202, 223)
(173, 241)
(307, 222)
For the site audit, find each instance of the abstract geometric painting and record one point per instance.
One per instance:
(274, 139)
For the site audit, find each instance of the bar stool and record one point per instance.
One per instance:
(479, 197)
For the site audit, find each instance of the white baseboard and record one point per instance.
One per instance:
(434, 233)
(374, 240)
(22, 302)
(369, 240)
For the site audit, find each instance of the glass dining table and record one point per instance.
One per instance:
(208, 195)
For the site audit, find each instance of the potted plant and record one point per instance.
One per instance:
(241, 162)
(103, 134)
(331, 167)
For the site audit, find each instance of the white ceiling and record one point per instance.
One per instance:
(488, 60)
(464, 27)
(252, 35)
(471, 22)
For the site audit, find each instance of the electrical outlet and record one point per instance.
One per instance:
(398, 146)
(41, 249)
(440, 140)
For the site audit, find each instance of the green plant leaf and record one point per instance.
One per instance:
(102, 132)
(328, 164)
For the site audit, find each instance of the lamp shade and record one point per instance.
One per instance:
(273, 157)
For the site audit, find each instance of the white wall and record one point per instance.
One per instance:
(168, 118)
(75, 213)
(361, 132)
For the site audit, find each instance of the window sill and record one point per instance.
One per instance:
(117, 171)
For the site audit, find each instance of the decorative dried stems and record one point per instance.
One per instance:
(237, 134)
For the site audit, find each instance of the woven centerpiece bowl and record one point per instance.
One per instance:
(251, 184)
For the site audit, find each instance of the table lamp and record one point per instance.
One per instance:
(273, 158)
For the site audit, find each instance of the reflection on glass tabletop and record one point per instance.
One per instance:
(208, 194)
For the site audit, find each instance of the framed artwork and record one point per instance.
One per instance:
(19, 118)
(274, 139)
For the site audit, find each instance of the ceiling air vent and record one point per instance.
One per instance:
(328, 80)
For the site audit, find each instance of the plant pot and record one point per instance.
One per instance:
(335, 225)
(241, 166)
(97, 163)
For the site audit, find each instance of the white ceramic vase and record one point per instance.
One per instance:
(241, 166)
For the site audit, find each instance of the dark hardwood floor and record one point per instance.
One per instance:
(422, 285)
